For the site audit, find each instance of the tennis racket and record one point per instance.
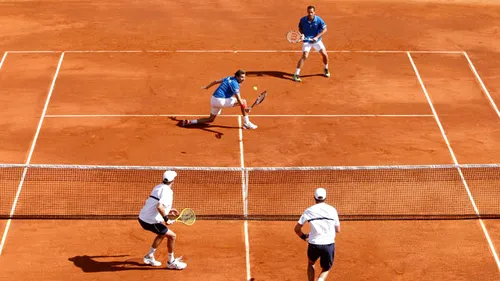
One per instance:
(259, 99)
(187, 217)
(294, 36)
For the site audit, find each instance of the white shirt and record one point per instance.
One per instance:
(323, 218)
(161, 193)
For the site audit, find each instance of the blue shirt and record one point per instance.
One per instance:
(311, 29)
(228, 88)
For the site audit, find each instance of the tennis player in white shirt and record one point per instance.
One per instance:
(325, 224)
(154, 217)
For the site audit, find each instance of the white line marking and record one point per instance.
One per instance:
(247, 249)
(466, 185)
(3, 59)
(239, 51)
(244, 191)
(30, 154)
(235, 115)
(33, 52)
(492, 102)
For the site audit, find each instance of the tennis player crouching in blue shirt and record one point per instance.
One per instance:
(313, 28)
(226, 95)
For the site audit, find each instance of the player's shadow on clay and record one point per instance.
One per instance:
(277, 74)
(205, 127)
(108, 263)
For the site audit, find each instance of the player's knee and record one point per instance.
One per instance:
(172, 236)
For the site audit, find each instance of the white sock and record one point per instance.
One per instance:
(321, 279)
(151, 251)
(194, 121)
(326, 67)
(246, 118)
(297, 71)
(171, 257)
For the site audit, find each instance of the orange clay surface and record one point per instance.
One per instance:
(372, 111)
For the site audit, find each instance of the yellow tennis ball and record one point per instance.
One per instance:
(255, 88)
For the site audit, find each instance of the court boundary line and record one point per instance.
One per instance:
(455, 161)
(483, 86)
(250, 169)
(3, 59)
(244, 192)
(239, 51)
(30, 154)
(231, 115)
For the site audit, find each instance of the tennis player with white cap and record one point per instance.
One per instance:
(325, 224)
(154, 217)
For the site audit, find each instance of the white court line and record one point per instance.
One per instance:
(30, 154)
(34, 52)
(233, 115)
(244, 192)
(466, 185)
(492, 102)
(239, 51)
(3, 59)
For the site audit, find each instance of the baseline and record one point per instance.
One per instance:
(241, 51)
(232, 115)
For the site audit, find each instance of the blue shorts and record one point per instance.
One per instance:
(157, 228)
(326, 254)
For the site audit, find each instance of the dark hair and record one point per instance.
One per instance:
(239, 72)
(311, 7)
(320, 200)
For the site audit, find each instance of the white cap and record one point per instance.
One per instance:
(169, 175)
(320, 194)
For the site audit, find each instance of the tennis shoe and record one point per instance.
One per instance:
(327, 73)
(151, 261)
(249, 126)
(177, 264)
(296, 78)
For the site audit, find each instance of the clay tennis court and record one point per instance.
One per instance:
(413, 83)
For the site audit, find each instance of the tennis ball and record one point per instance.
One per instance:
(255, 88)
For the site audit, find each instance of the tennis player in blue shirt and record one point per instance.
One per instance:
(313, 28)
(226, 95)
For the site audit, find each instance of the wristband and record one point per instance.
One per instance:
(165, 218)
(303, 236)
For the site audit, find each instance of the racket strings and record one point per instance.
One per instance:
(188, 217)
(294, 36)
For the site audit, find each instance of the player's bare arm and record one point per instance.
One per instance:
(319, 35)
(212, 84)
(243, 104)
(298, 231)
(173, 212)
(161, 210)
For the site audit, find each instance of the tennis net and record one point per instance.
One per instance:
(358, 193)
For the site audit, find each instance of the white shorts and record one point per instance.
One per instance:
(217, 104)
(318, 46)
